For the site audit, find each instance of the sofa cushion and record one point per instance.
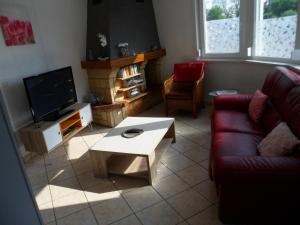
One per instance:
(185, 95)
(235, 144)
(270, 118)
(257, 105)
(280, 141)
(292, 113)
(278, 85)
(234, 121)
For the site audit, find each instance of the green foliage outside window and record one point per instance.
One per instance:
(220, 11)
(272, 9)
(280, 8)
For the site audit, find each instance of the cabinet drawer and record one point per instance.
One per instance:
(86, 115)
(52, 137)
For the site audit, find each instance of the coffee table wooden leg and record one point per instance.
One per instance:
(171, 133)
(99, 163)
(151, 167)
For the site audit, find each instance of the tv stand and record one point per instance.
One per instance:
(49, 134)
(57, 115)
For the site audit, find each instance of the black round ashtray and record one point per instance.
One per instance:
(131, 133)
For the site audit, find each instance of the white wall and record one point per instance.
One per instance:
(177, 31)
(60, 32)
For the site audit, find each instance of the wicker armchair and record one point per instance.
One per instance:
(185, 95)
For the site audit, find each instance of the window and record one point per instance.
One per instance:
(222, 26)
(276, 26)
(260, 29)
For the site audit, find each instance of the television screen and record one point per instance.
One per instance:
(50, 92)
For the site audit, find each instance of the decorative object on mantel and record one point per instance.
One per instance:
(124, 49)
(103, 43)
(16, 26)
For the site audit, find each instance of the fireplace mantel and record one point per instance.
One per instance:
(125, 61)
(105, 84)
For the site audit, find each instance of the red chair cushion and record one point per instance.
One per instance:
(189, 71)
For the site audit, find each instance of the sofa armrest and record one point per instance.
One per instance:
(238, 102)
(229, 169)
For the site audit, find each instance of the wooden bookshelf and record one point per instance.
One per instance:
(129, 77)
(131, 87)
(128, 100)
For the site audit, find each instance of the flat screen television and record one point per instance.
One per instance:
(49, 93)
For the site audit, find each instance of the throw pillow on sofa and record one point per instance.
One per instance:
(280, 141)
(257, 105)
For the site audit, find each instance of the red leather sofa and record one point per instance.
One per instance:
(253, 189)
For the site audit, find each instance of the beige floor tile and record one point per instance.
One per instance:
(57, 163)
(188, 203)
(162, 171)
(169, 153)
(102, 192)
(47, 212)
(130, 220)
(178, 163)
(82, 166)
(91, 136)
(76, 148)
(69, 204)
(65, 187)
(38, 181)
(125, 184)
(58, 152)
(207, 217)
(169, 186)
(42, 195)
(84, 217)
(184, 129)
(35, 169)
(193, 175)
(111, 211)
(183, 223)
(142, 198)
(88, 180)
(200, 138)
(159, 214)
(197, 155)
(60, 174)
(182, 144)
(207, 189)
(51, 223)
(102, 130)
(205, 164)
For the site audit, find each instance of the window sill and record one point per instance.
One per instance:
(252, 61)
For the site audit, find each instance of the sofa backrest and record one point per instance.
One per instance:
(292, 106)
(282, 85)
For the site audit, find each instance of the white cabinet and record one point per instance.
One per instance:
(86, 115)
(52, 136)
(45, 136)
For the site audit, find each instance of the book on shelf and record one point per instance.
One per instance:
(128, 71)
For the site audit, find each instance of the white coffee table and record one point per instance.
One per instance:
(137, 156)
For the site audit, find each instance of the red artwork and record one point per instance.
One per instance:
(16, 32)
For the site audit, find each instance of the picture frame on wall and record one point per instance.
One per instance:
(15, 25)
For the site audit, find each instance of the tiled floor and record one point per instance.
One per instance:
(68, 194)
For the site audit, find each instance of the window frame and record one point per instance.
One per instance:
(202, 18)
(248, 20)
